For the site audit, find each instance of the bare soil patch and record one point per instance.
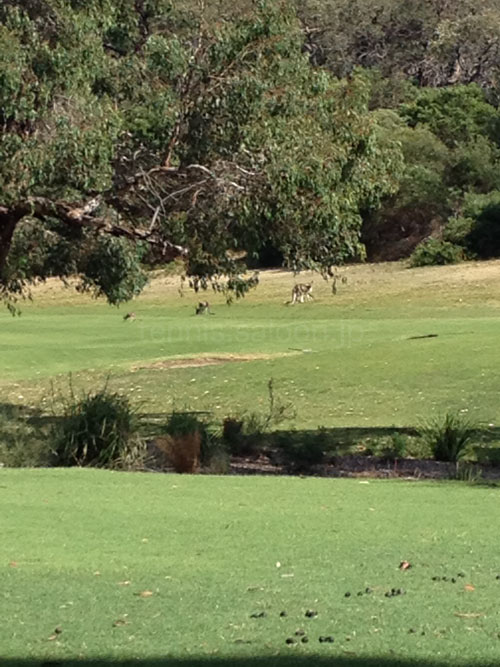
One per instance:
(210, 360)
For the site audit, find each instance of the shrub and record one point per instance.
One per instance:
(302, 451)
(448, 437)
(488, 455)
(94, 430)
(433, 252)
(245, 435)
(22, 442)
(417, 448)
(457, 229)
(394, 447)
(484, 238)
(134, 455)
(187, 438)
(248, 434)
(215, 455)
(183, 423)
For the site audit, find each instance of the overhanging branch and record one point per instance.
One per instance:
(77, 217)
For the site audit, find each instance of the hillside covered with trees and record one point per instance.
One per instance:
(312, 133)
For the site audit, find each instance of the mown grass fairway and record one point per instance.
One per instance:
(79, 547)
(361, 368)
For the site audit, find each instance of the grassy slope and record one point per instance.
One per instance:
(208, 549)
(362, 369)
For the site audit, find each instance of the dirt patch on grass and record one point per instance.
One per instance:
(208, 360)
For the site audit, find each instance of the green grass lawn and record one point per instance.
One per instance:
(79, 546)
(361, 368)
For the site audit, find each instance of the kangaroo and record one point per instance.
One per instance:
(129, 316)
(300, 292)
(202, 308)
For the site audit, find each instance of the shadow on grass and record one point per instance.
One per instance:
(277, 661)
(341, 437)
(335, 442)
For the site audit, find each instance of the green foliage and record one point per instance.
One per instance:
(434, 252)
(23, 443)
(215, 455)
(112, 268)
(457, 229)
(94, 430)
(397, 448)
(477, 229)
(484, 238)
(488, 455)
(215, 136)
(302, 450)
(448, 437)
(214, 452)
(184, 423)
(449, 138)
(455, 114)
(247, 434)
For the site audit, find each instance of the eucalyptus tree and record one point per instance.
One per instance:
(134, 132)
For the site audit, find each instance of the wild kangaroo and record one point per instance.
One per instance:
(203, 307)
(129, 316)
(300, 292)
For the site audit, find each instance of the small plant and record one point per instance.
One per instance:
(248, 434)
(214, 454)
(182, 423)
(393, 447)
(94, 430)
(448, 437)
(219, 462)
(417, 448)
(134, 456)
(186, 433)
(468, 472)
(436, 253)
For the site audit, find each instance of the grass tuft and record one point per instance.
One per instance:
(448, 437)
(94, 430)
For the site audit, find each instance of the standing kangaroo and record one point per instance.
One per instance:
(300, 292)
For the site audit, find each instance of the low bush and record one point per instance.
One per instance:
(484, 238)
(248, 434)
(488, 455)
(23, 443)
(95, 430)
(215, 456)
(301, 451)
(186, 441)
(392, 447)
(449, 437)
(434, 252)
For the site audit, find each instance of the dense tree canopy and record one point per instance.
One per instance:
(432, 42)
(135, 131)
